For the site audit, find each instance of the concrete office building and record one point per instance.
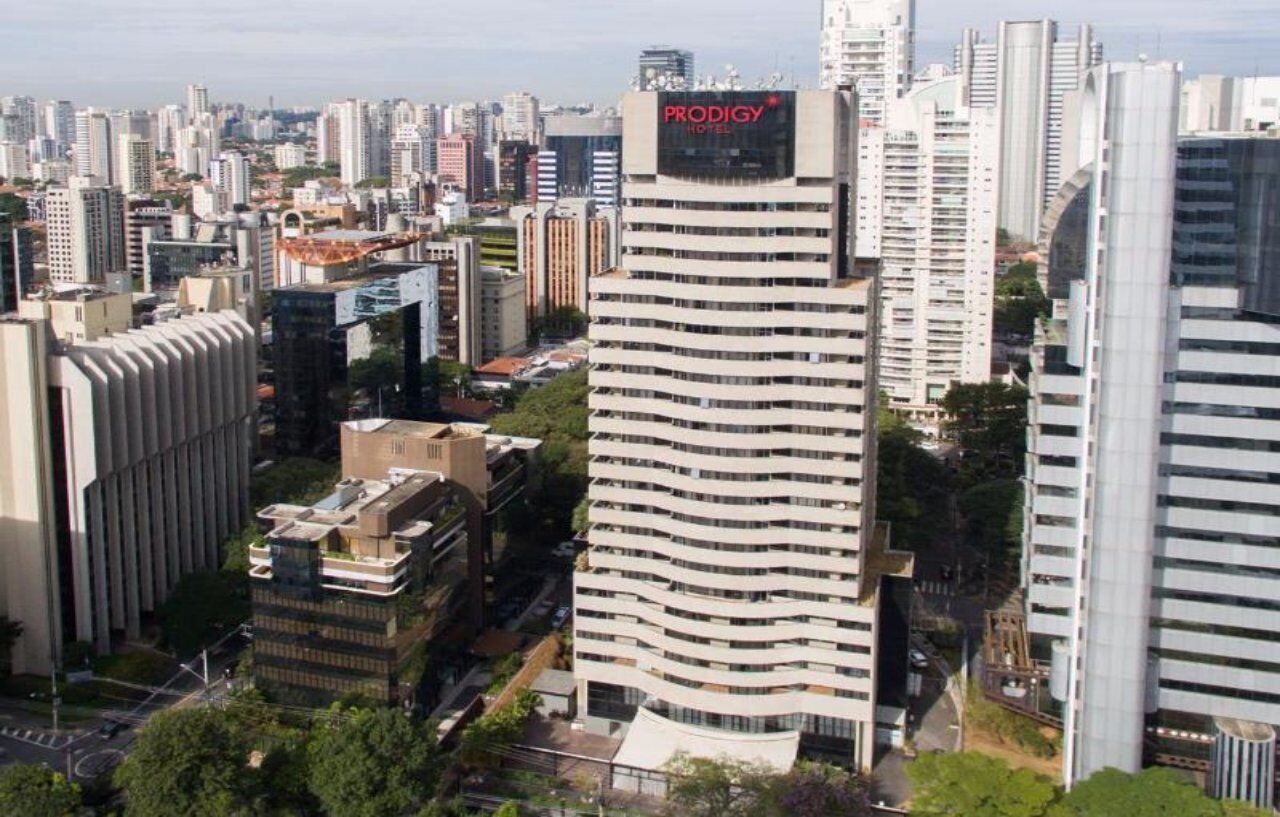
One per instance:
(730, 596)
(926, 206)
(1151, 505)
(561, 246)
(460, 163)
(145, 220)
(350, 320)
(504, 327)
(666, 69)
(394, 558)
(1027, 74)
(85, 222)
(869, 45)
(459, 280)
(520, 116)
(514, 159)
(579, 159)
(125, 464)
(1216, 103)
(137, 164)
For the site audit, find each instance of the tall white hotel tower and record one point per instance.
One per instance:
(729, 602)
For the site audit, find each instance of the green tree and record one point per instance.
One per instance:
(989, 421)
(968, 784)
(487, 735)
(188, 761)
(373, 182)
(992, 514)
(202, 607)
(1152, 792)
(14, 206)
(1234, 808)
(817, 790)
(375, 762)
(37, 791)
(507, 809)
(1019, 301)
(716, 787)
(581, 516)
(912, 490)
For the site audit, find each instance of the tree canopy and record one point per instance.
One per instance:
(912, 486)
(188, 761)
(1153, 792)
(968, 784)
(989, 421)
(14, 206)
(37, 791)
(1019, 300)
(726, 787)
(202, 607)
(375, 762)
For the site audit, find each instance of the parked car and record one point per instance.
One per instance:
(918, 659)
(564, 550)
(110, 729)
(561, 616)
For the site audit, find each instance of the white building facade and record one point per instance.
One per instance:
(1027, 75)
(126, 464)
(1154, 441)
(86, 239)
(926, 206)
(728, 593)
(869, 45)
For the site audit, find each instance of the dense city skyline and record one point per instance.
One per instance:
(568, 52)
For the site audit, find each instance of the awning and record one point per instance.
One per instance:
(652, 740)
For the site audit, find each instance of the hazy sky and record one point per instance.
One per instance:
(142, 52)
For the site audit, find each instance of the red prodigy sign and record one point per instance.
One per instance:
(718, 119)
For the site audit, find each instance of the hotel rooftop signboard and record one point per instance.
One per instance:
(727, 135)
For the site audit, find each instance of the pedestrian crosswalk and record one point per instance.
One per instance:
(45, 740)
(936, 588)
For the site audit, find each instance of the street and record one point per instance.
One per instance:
(82, 753)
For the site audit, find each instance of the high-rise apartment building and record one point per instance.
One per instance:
(1149, 553)
(561, 246)
(329, 134)
(731, 590)
(20, 113)
(355, 141)
(15, 160)
(124, 465)
(458, 284)
(580, 158)
(1027, 74)
(413, 150)
(290, 156)
(460, 162)
(663, 68)
(137, 158)
(520, 117)
(93, 148)
(504, 327)
(197, 103)
(926, 206)
(230, 174)
(85, 222)
(60, 123)
(869, 45)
